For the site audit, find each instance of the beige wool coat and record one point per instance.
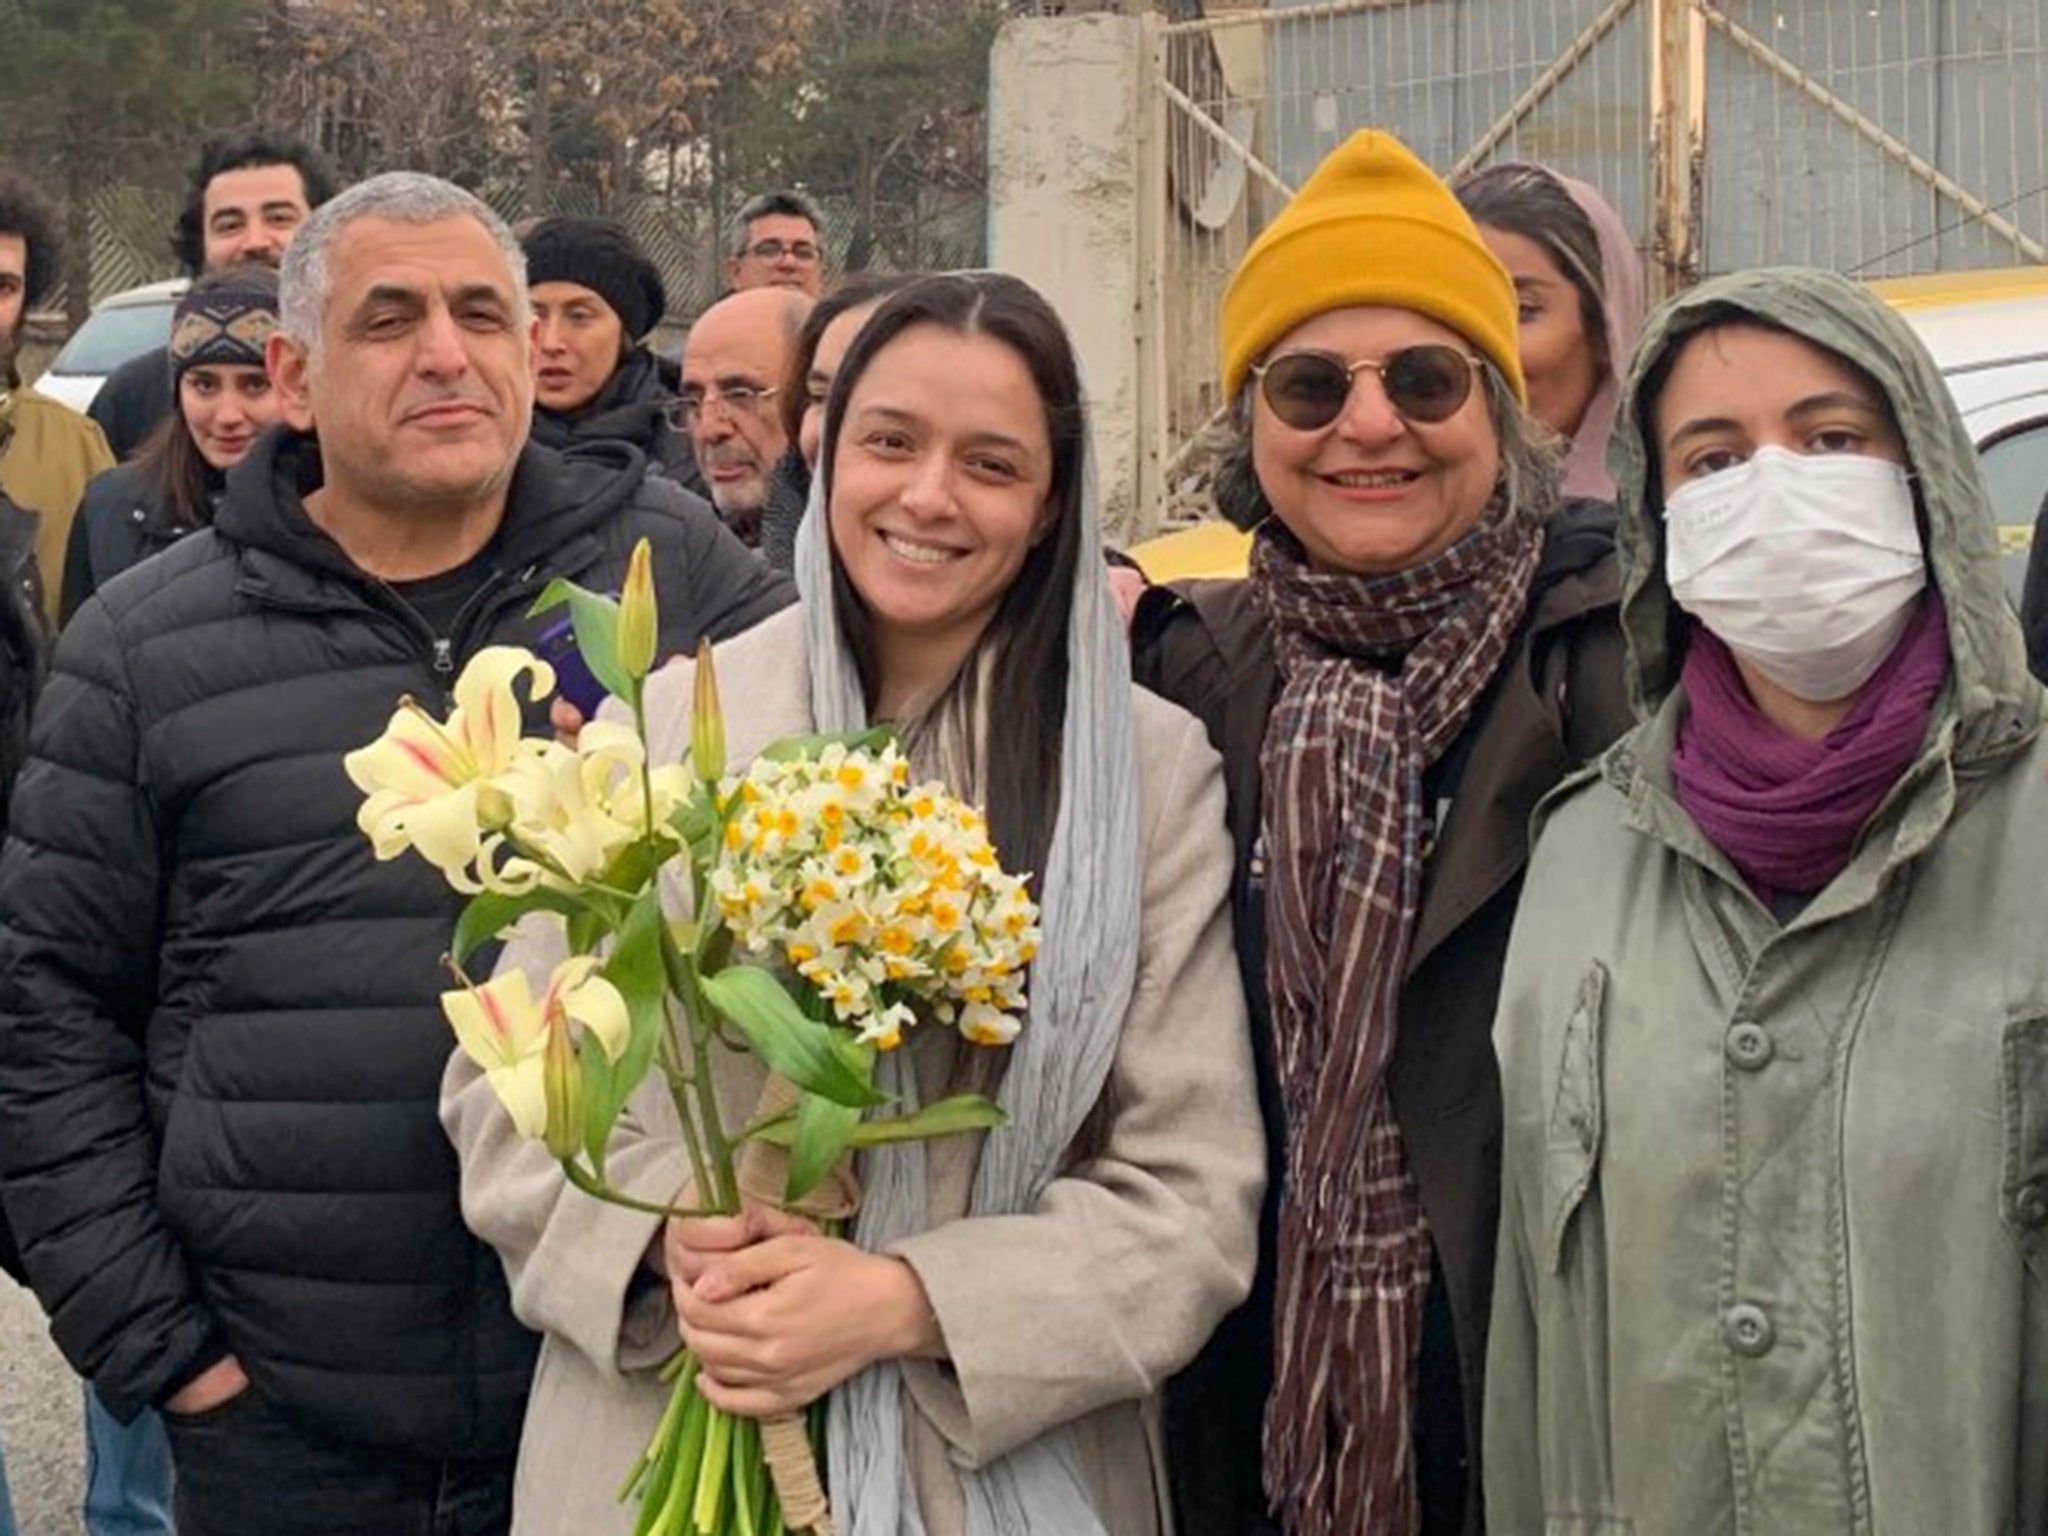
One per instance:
(1074, 1313)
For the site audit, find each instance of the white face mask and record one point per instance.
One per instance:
(1806, 565)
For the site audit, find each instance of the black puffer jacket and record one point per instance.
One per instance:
(633, 407)
(121, 522)
(24, 655)
(135, 397)
(220, 1047)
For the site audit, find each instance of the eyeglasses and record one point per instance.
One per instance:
(774, 250)
(1309, 390)
(738, 399)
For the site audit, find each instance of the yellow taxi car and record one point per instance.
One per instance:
(1988, 332)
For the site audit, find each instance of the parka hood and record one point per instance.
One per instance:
(1995, 700)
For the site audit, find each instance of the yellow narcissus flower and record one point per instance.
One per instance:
(503, 1030)
(883, 894)
(984, 1025)
(429, 783)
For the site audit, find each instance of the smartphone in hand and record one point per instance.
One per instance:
(556, 645)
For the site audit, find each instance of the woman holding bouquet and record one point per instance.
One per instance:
(1425, 645)
(994, 1331)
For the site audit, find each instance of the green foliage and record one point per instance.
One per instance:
(132, 78)
(811, 1055)
(487, 916)
(822, 1131)
(636, 968)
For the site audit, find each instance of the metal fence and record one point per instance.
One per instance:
(934, 229)
(1876, 137)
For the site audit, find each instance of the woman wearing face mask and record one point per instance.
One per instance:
(1774, 1030)
(993, 1337)
(1579, 296)
(1426, 644)
(827, 332)
(224, 402)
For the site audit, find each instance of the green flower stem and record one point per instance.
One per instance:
(682, 975)
(711, 1474)
(639, 702)
(679, 1086)
(746, 1453)
(599, 1189)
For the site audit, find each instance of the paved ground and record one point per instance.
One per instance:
(40, 1420)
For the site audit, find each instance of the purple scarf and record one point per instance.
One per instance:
(1787, 812)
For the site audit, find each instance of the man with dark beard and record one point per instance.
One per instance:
(248, 196)
(47, 453)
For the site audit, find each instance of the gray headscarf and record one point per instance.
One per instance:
(1081, 987)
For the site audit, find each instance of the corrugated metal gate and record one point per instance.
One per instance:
(1876, 137)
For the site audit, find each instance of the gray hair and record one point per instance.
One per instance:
(791, 205)
(402, 197)
(1531, 458)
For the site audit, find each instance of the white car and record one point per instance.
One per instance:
(121, 326)
(1989, 333)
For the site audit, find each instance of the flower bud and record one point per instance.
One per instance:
(637, 619)
(562, 1079)
(707, 720)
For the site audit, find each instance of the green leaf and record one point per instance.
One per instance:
(802, 1050)
(635, 968)
(597, 631)
(822, 1131)
(949, 1117)
(793, 748)
(487, 916)
(600, 1099)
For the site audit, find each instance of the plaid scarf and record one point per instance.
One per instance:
(1378, 676)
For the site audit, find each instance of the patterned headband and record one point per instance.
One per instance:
(226, 326)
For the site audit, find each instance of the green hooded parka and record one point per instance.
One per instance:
(1774, 1244)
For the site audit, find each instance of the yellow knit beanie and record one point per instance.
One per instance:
(1373, 225)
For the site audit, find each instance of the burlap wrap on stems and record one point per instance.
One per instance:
(763, 1170)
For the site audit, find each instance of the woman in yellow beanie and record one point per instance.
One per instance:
(1426, 643)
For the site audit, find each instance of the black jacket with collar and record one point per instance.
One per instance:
(121, 522)
(220, 1045)
(1557, 700)
(633, 407)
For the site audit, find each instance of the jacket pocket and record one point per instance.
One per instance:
(1571, 1143)
(2023, 1194)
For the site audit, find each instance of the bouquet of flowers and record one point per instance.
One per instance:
(832, 906)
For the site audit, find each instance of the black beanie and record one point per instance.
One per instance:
(602, 256)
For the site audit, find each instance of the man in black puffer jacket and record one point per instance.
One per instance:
(220, 1045)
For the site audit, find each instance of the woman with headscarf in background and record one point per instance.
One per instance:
(1579, 293)
(1425, 645)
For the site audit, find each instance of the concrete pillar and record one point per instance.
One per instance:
(1077, 202)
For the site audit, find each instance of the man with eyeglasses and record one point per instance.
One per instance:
(734, 367)
(775, 243)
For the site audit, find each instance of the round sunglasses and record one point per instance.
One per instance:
(1426, 383)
